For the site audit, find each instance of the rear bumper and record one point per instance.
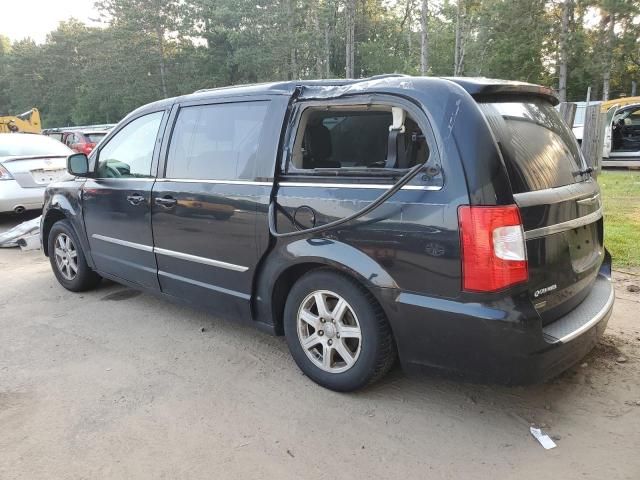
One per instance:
(503, 342)
(12, 195)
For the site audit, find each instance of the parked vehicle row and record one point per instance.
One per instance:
(452, 222)
(79, 139)
(622, 132)
(28, 162)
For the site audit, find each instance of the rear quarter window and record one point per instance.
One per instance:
(539, 150)
(94, 137)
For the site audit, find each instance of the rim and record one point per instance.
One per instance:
(66, 256)
(329, 331)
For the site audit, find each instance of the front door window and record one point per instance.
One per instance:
(129, 153)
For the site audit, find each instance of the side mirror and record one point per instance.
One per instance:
(78, 165)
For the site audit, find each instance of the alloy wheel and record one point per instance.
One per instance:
(329, 331)
(66, 256)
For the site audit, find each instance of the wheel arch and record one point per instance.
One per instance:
(52, 216)
(60, 207)
(285, 266)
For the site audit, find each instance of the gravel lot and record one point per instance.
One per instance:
(117, 384)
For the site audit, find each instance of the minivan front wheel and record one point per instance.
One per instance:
(67, 259)
(336, 332)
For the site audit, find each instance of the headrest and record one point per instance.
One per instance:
(318, 142)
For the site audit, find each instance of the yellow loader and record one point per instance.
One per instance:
(27, 122)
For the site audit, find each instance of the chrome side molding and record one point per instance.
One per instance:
(197, 259)
(563, 226)
(124, 243)
(375, 186)
(555, 195)
(171, 253)
(215, 182)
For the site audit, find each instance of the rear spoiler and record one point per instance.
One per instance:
(486, 89)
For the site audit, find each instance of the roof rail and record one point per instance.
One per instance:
(230, 86)
(104, 126)
(328, 81)
(381, 76)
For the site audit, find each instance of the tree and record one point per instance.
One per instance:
(350, 42)
(424, 37)
(567, 17)
(5, 55)
(157, 18)
(153, 48)
(458, 59)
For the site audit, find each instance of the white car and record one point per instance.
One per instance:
(28, 163)
(578, 122)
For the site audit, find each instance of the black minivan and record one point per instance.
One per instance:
(452, 223)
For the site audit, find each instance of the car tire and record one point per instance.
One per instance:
(67, 259)
(324, 315)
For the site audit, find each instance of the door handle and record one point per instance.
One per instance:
(167, 201)
(135, 199)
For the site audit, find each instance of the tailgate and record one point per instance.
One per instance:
(559, 202)
(36, 172)
(564, 233)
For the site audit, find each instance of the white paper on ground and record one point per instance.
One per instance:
(544, 439)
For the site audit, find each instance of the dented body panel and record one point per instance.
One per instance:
(406, 252)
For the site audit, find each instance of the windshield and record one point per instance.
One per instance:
(539, 150)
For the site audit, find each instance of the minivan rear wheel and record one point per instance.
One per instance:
(67, 259)
(337, 333)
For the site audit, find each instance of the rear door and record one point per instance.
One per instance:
(117, 202)
(560, 204)
(209, 209)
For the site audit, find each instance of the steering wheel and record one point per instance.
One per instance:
(109, 170)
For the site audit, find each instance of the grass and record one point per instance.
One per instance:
(621, 195)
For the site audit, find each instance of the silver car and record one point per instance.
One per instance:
(28, 163)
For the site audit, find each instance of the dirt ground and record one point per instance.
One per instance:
(116, 384)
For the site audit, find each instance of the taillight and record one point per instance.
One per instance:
(4, 173)
(493, 248)
(87, 148)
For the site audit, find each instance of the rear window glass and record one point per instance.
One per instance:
(95, 137)
(539, 150)
(26, 144)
